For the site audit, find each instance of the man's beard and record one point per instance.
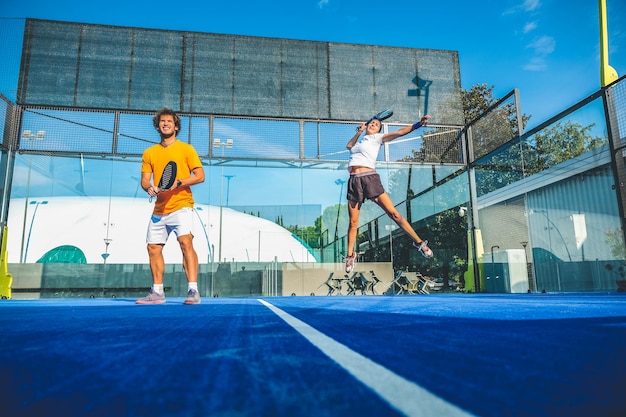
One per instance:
(167, 135)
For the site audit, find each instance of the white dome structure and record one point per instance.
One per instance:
(89, 223)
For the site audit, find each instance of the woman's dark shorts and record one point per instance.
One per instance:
(366, 185)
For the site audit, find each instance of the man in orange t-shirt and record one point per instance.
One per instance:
(173, 211)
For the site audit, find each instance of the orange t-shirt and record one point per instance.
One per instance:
(186, 158)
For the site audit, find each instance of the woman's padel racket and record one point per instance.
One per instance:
(167, 178)
(385, 114)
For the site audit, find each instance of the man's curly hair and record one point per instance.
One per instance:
(163, 112)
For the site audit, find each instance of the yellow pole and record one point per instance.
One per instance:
(469, 275)
(6, 279)
(607, 73)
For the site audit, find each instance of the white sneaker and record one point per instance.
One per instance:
(424, 249)
(350, 261)
(192, 297)
(152, 298)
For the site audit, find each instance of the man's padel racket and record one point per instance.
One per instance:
(167, 178)
(385, 114)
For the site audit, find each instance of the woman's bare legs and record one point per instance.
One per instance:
(354, 210)
(386, 204)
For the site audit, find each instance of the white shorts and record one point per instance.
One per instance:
(161, 225)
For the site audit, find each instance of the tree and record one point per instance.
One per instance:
(309, 234)
(491, 129)
(560, 143)
(545, 149)
(476, 101)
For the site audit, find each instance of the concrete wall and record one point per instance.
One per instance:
(57, 280)
(309, 279)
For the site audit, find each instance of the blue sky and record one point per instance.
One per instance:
(549, 49)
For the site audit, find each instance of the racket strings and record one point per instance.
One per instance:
(168, 176)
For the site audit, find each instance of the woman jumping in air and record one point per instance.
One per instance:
(364, 183)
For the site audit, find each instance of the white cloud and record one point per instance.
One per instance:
(543, 45)
(536, 64)
(526, 6)
(530, 5)
(529, 27)
(322, 3)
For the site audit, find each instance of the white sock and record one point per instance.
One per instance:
(158, 288)
(192, 286)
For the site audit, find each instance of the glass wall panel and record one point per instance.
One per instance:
(549, 200)
(258, 139)
(49, 130)
(136, 132)
(578, 136)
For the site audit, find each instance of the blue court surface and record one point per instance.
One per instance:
(425, 355)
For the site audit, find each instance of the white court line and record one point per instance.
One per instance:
(402, 394)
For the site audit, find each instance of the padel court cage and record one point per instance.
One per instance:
(504, 210)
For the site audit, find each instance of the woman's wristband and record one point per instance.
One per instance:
(417, 125)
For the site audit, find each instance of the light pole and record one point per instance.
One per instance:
(208, 245)
(106, 253)
(30, 229)
(228, 178)
(339, 182)
(29, 135)
(217, 143)
(551, 225)
(206, 235)
(493, 270)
